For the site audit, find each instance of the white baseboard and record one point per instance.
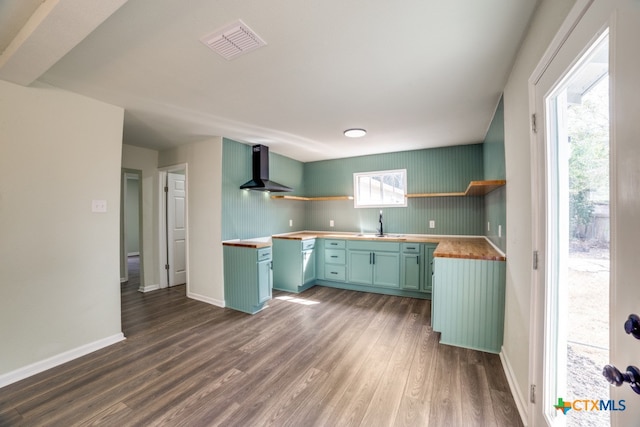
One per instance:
(148, 288)
(41, 366)
(521, 403)
(208, 300)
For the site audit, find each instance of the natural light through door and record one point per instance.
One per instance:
(577, 308)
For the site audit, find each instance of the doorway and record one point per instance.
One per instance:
(174, 226)
(130, 221)
(593, 56)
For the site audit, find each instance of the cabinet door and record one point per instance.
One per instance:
(308, 266)
(428, 267)
(386, 269)
(360, 267)
(264, 281)
(411, 271)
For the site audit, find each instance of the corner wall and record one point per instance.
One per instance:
(60, 290)
(204, 215)
(546, 22)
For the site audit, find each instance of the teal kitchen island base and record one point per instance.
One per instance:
(247, 278)
(468, 303)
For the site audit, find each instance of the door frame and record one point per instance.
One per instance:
(598, 18)
(162, 223)
(124, 173)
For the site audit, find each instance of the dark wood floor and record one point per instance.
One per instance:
(327, 357)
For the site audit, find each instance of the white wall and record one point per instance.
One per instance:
(204, 194)
(547, 20)
(146, 160)
(59, 264)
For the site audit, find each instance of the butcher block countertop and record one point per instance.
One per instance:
(448, 246)
(249, 243)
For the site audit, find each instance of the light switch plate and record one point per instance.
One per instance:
(432, 224)
(290, 223)
(331, 223)
(99, 206)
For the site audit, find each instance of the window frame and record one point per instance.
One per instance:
(382, 173)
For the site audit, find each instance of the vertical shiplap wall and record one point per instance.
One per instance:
(250, 214)
(448, 169)
(495, 203)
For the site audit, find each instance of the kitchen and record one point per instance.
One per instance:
(430, 172)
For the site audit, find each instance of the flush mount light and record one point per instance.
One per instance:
(355, 133)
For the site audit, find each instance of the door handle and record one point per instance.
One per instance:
(617, 378)
(632, 326)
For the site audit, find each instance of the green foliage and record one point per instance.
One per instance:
(588, 128)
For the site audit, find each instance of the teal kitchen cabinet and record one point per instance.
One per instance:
(411, 271)
(427, 284)
(468, 302)
(373, 263)
(294, 264)
(247, 278)
(334, 260)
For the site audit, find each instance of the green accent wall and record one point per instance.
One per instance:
(495, 203)
(448, 169)
(250, 214)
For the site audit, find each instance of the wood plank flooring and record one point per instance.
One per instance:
(326, 357)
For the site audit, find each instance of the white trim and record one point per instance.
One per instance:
(148, 288)
(521, 402)
(162, 236)
(208, 300)
(123, 279)
(133, 254)
(41, 366)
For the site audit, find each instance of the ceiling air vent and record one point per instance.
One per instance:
(233, 40)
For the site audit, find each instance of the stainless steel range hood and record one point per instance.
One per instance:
(260, 169)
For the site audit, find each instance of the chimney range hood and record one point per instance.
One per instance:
(260, 168)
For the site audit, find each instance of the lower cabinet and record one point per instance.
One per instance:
(294, 264)
(468, 303)
(374, 263)
(247, 278)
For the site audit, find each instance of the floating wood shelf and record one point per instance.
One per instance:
(313, 198)
(475, 188)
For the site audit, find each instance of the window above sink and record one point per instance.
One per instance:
(380, 189)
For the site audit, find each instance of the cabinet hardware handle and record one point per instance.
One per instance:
(334, 256)
(334, 272)
(374, 257)
(417, 260)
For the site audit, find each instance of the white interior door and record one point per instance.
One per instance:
(176, 228)
(590, 21)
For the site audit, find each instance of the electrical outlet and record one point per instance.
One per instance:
(499, 231)
(432, 224)
(290, 223)
(331, 223)
(488, 226)
(99, 206)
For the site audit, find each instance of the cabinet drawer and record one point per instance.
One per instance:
(334, 244)
(264, 254)
(308, 244)
(411, 248)
(334, 256)
(334, 272)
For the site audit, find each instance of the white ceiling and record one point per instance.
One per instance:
(414, 73)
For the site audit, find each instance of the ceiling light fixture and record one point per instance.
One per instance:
(355, 133)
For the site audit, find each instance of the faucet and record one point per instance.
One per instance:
(380, 230)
